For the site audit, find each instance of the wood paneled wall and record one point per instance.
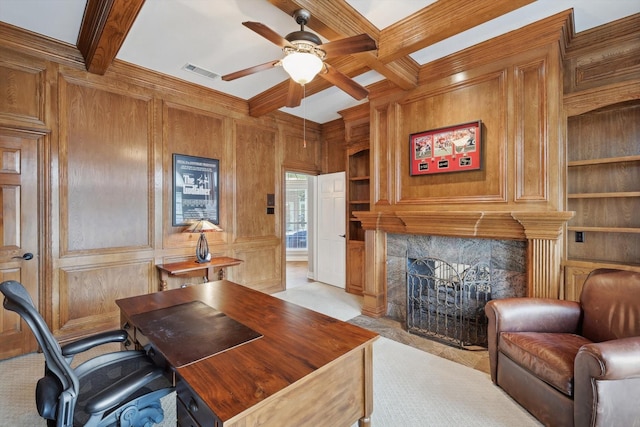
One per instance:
(107, 176)
(519, 102)
(513, 84)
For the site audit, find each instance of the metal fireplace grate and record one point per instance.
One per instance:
(446, 301)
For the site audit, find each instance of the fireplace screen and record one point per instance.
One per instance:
(446, 301)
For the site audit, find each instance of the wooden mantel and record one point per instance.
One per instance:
(540, 229)
(510, 225)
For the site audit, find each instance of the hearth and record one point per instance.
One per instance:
(446, 301)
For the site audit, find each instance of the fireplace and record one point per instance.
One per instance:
(523, 247)
(457, 258)
(446, 301)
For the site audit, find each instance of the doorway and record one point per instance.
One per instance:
(19, 227)
(298, 228)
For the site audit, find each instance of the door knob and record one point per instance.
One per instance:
(27, 256)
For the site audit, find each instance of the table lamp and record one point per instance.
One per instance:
(202, 248)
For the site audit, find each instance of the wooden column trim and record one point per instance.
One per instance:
(544, 258)
(375, 280)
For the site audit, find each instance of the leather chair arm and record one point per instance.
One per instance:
(88, 343)
(527, 315)
(610, 360)
(607, 383)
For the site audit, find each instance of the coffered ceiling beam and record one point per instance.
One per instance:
(438, 21)
(337, 19)
(105, 26)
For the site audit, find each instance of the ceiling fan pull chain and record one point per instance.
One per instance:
(304, 116)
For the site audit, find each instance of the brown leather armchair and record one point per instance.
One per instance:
(572, 363)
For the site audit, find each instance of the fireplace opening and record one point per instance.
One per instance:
(445, 301)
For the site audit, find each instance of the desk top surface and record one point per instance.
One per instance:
(295, 342)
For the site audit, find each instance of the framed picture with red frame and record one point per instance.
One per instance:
(449, 149)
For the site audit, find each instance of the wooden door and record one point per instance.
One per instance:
(18, 234)
(331, 229)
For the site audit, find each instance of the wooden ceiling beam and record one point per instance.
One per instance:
(438, 21)
(105, 26)
(337, 19)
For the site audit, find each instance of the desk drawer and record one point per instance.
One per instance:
(184, 417)
(152, 352)
(125, 324)
(193, 408)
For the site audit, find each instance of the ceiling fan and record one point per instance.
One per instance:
(305, 56)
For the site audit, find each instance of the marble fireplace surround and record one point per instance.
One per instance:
(539, 230)
(506, 258)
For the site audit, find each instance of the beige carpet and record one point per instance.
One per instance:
(412, 388)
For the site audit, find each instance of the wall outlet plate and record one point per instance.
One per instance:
(579, 236)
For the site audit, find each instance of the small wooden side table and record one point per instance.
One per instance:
(186, 267)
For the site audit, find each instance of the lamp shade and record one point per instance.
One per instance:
(202, 226)
(302, 66)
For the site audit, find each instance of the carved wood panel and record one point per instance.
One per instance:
(255, 154)
(87, 294)
(22, 90)
(482, 98)
(261, 268)
(105, 169)
(531, 145)
(197, 133)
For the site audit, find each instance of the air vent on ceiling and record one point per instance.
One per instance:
(201, 71)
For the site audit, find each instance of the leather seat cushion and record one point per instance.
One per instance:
(548, 356)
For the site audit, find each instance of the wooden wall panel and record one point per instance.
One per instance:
(105, 169)
(87, 295)
(383, 157)
(22, 90)
(531, 132)
(603, 56)
(333, 147)
(198, 133)
(302, 149)
(106, 176)
(255, 177)
(262, 268)
(576, 273)
(483, 98)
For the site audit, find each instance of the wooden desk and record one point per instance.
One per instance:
(191, 266)
(307, 369)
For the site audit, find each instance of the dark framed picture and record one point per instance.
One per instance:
(195, 189)
(450, 149)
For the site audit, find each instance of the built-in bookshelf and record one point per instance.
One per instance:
(603, 185)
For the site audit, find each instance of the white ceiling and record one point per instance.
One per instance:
(168, 34)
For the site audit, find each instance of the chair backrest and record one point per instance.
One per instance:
(610, 301)
(16, 298)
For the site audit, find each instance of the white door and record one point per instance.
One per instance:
(331, 229)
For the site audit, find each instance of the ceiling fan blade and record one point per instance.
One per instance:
(343, 82)
(250, 70)
(267, 33)
(349, 45)
(294, 94)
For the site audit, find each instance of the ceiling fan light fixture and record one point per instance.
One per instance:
(302, 63)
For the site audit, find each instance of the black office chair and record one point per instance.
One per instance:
(115, 389)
